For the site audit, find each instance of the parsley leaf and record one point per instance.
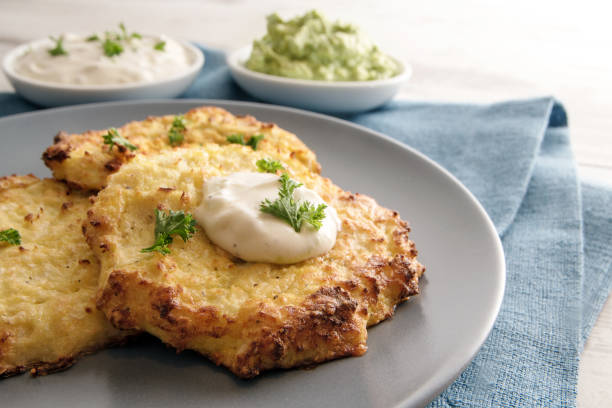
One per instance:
(59, 47)
(125, 34)
(176, 134)
(112, 41)
(287, 209)
(269, 165)
(254, 141)
(124, 31)
(111, 47)
(287, 187)
(167, 224)
(114, 138)
(11, 236)
(93, 37)
(313, 215)
(160, 46)
(239, 139)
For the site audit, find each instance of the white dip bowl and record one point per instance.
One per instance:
(55, 94)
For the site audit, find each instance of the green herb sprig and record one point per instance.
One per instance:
(168, 224)
(125, 36)
(294, 213)
(111, 47)
(239, 139)
(11, 236)
(112, 43)
(176, 134)
(59, 47)
(112, 40)
(160, 46)
(114, 138)
(269, 165)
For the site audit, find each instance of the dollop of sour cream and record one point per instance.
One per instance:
(230, 216)
(86, 63)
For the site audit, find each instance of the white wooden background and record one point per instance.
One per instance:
(471, 50)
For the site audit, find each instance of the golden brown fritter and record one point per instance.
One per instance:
(249, 317)
(48, 316)
(83, 160)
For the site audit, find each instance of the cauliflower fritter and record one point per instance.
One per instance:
(48, 315)
(84, 161)
(248, 317)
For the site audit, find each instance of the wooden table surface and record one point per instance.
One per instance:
(468, 51)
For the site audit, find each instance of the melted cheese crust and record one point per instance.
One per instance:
(48, 316)
(84, 161)
(246, 316)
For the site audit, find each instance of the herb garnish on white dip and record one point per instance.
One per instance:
(110, 58)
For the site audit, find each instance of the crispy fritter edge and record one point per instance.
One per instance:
(17, 181)
(63, 363)
(321, 322)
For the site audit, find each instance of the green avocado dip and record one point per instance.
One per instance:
(312, 47)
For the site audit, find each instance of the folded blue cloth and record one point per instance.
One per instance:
(557, 233)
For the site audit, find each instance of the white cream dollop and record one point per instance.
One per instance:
(231, 218)
(86, 63)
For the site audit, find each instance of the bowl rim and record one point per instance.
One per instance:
(236, 59)
(13, 54)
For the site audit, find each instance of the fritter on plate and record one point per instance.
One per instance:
(249, 317)
(48, 315)
(83, 160)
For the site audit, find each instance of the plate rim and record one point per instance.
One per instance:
(437, 383)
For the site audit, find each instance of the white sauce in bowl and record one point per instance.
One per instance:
(87, 64)
(231, 218)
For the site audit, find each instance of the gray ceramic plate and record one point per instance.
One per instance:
(411, 358)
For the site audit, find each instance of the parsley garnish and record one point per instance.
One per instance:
(111, 47)
(172, 223)
(287, 209)
(269, 165)
(127, 36)
(59, 47)
(124, 31)
(176, 134)
(160, 46)
(239, 139)
(254, 141)
(114, 138)
(112, 40)
(11, 236)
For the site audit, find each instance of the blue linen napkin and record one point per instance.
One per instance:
(556, 232)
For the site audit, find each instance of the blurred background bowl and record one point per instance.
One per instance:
(49, 94)
(322, 96)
